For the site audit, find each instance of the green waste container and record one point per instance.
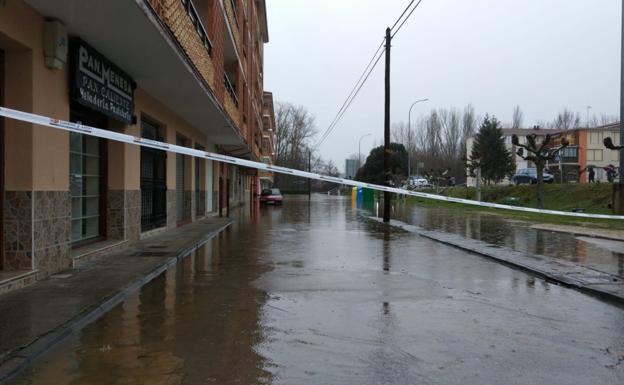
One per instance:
(511, 201)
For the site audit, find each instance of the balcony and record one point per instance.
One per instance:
(197, 23)
(229, 87)
(168, 55)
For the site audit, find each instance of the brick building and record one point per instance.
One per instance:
(181, 71)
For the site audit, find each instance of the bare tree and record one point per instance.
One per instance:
(518, 116)
(294, 130)
(566, 120)
(606, 119)
(438, 139)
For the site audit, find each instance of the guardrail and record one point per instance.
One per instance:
(230, 88)
(197, 23)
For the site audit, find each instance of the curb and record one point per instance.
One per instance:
(22, 358)
(480, 248)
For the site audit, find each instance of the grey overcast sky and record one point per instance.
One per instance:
(543, 55)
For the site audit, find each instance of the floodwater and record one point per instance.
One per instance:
(497, 229)
(316, 294)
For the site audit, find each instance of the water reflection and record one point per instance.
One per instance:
(309, 293)
(516, 234)
(194, 324)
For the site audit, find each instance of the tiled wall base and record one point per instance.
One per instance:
(171, 209)
(189, 199)
(37, 227)
(123, 219)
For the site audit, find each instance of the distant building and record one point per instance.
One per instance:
(586, 148)
(351, 168)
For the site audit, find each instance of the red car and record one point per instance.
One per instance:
(271, 196)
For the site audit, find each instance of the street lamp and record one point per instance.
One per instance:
(409, 136)
(359, 147)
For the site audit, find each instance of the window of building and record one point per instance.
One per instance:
(595, 137)
(570, 152)
(615, 156)
(616, 137)
(594, 155)
(85, 175)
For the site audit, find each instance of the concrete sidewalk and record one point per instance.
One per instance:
(584, 279)
(34, 319)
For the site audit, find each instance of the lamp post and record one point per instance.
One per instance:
(409, 136)
(359, 148)
(588, 108)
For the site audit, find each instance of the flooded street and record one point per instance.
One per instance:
(316, 294)
(600, 254)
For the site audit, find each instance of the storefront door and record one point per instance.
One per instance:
(86, 178)
(1, 162)
(153, 181)
(180, 169)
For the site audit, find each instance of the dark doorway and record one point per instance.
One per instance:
(200, 198)
(182, 213)
(153, 180)
(1, 162)
(87, 182)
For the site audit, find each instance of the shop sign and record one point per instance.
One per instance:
(99, 84)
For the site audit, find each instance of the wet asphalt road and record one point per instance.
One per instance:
(315, 294)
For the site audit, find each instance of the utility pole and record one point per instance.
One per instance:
(386, 157)
(309, 170)
(622, 106)
(479, 183)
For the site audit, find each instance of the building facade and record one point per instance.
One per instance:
(586, 148)
(268, 126)
(188, 72)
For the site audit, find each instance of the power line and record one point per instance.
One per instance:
(353, 98)
(405, 10)
(355, 86)
(407, 17)
(364, 76)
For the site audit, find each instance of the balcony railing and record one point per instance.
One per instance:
(235, 12)
(199, 26)
(230, 88)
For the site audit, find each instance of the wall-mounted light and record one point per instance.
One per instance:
(54, 44)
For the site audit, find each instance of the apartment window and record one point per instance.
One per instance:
(615, 156)
(616, 138)
(569, 152)
(265, 145)
(595, 137)
(594, 155)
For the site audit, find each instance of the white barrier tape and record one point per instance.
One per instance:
(101, 133)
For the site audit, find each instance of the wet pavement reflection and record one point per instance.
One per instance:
(312, 293)
(603, 255)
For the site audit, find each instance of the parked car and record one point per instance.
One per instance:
(416, 181)
(271, 196)
(529, 176)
